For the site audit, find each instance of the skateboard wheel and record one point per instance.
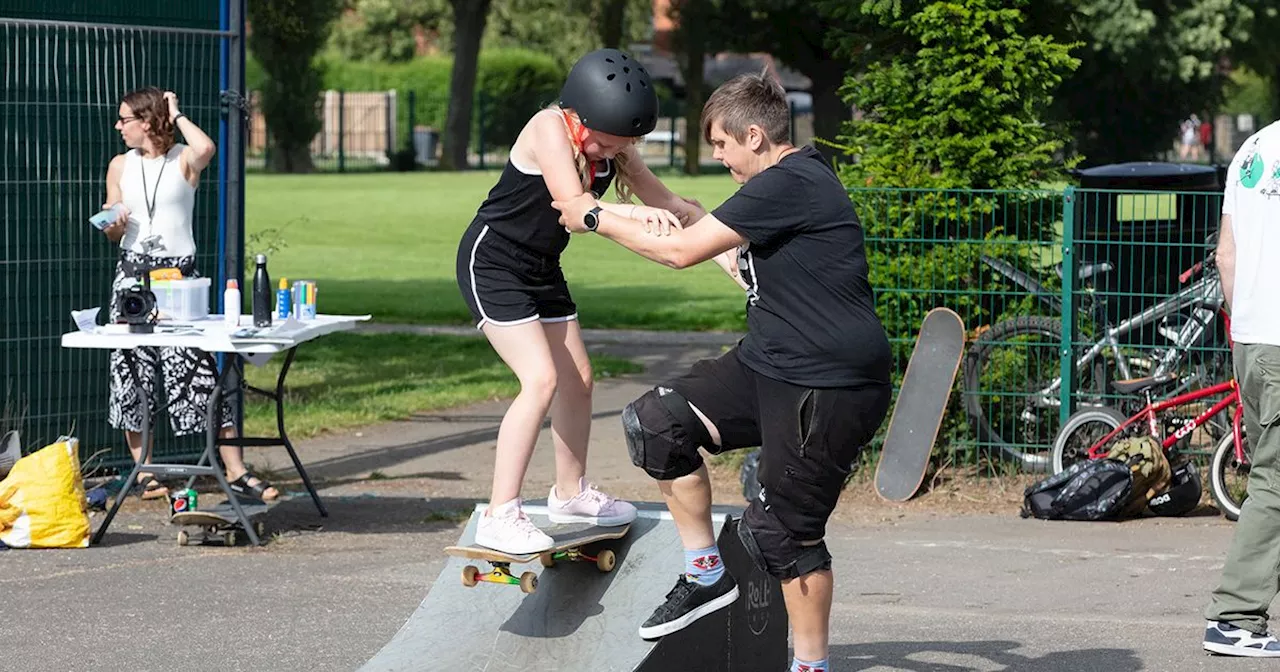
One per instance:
(606, 561)
(528, 582)
(469, 574)
(183, 538)
(229, 538)
(547, 559)
(260, 529)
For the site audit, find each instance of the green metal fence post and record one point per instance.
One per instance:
(342, 132)
(480, 130)
(1066, 356)
(671, 143)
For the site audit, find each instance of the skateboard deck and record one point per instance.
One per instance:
(922, 400)
(219, 521)
(569, 540)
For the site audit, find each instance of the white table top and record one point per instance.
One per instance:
(213, 335)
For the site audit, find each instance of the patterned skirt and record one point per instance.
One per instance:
(188, 375)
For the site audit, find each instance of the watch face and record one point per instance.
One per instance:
(591, 220)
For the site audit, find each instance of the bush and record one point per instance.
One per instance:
(511, 85)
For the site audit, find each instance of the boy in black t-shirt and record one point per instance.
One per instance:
(809, 383)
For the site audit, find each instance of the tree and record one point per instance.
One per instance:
(469, 17)
(286, 36)
(963, 110)
(567, 29)
(1147, 65)
(387, 30)
(800, 34)
(1258, 49)
(694, 37)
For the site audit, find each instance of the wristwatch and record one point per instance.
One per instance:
(591, 220)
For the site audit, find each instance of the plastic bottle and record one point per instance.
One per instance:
(231, 304)
(282, 299)
(262, 299)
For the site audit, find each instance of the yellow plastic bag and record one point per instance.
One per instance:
(42, 503)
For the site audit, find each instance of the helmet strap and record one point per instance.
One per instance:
(578, 133)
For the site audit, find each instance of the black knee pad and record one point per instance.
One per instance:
(775, 550)
(663, 434)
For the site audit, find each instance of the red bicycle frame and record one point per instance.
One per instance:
(1152, 409)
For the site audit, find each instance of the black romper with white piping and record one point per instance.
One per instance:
(508, 265)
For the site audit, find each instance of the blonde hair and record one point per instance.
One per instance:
(621, 183)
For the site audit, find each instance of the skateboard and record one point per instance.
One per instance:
(219, 521)
(569, 542)
(922, 400)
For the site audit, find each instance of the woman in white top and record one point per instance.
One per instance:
(155, 181)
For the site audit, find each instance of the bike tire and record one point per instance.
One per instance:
(1224, 461)
(976, 360)
(1109, 417)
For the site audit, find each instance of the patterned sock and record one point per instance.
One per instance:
(703, 565)
(816, 666)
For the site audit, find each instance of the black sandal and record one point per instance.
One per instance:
(241, 487)
(149, 486)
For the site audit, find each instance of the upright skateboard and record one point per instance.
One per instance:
(922, 400)
(219, 522)
(569, 541)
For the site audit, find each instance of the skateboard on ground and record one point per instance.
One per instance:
(569, 542)
(922, 400)
(220, 521)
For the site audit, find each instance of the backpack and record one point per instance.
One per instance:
(1088, 490)
(1151, 472)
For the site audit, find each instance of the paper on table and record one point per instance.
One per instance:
(87, 319)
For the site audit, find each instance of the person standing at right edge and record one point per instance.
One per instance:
(809, 383)
(1248, 259)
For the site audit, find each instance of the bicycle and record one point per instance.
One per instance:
(1089, 433)
(1026, 348)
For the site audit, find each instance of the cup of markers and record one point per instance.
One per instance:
(304, 300)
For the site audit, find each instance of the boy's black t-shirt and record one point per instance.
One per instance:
(811, 317)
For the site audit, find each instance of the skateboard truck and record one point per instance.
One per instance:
(605, 561)
(501, 573)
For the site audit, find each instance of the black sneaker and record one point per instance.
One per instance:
(688, 602)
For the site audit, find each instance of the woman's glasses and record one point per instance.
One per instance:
(125, 120)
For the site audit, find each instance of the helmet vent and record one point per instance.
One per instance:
(625, 69)
(628, 87)
(608, 60)
(611, 76)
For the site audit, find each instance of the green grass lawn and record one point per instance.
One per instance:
(350, 380)
(385, 244)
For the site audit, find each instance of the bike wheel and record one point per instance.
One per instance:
(1229, 476)
(1083, 429)
(1003, 372)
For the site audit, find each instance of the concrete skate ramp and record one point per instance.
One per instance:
(581, 618)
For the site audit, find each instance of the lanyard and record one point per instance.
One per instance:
(155, 193)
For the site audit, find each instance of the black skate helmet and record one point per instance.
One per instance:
(611, 93)
(1183, 494)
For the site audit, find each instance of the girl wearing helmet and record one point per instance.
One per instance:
(508, 270)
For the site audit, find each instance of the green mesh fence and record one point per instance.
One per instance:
(58, 105)
(1147, 304)
(1082, 286)
(928, 249)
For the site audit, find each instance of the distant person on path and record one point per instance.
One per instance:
(809, 383)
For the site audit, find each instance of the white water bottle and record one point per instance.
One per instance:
(231, 304)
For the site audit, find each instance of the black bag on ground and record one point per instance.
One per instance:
(1088, 490)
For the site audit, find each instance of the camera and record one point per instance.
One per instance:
(138, 306)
